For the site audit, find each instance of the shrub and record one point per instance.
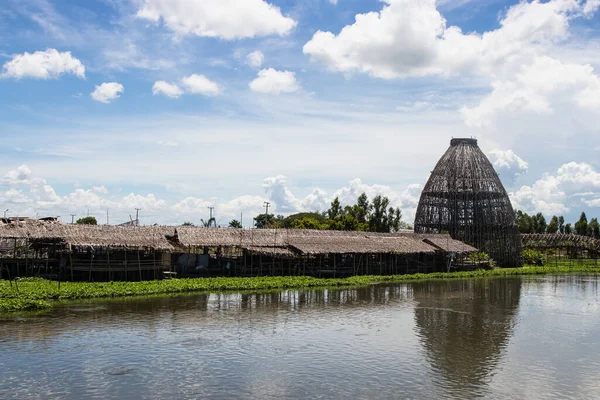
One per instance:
(533, 257)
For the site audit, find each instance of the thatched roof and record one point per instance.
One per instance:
(270, 251)
(447, 244)
(258, 241)
(306, 241)
(87, 235)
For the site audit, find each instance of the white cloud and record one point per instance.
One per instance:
(49, 64)
(107, 92)
(225, 19)
(42, 198)
(199, 84)
(591, 6)
(317, 201)
(168, 143)
(411, 38)
(507, 163)
(255, 59)
(417, 106)
(167, 89)
(278, 192)
(275, 82)
(21, 176)
(572, 186)
(541, 88)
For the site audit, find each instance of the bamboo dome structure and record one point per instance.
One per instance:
(465, 198)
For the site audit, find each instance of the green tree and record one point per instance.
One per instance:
(568, 229)
(308, 223)
(211, 223)
(594, 228)
(87, 221)
(384, 218)
(553, 225)
(524, 222)
(290, 220)
(335, 210)
(264, 221)
(235, 224)
(363, 208)
(581, 226)
(187, 223)
(561, 224)
(540, 224)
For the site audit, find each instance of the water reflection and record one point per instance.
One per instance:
(464, 327)
(497, 338)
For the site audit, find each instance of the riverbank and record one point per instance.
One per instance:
(36, 294)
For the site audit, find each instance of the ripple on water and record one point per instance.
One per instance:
(516, 338)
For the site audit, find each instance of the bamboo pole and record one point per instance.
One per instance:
(27, 257)
(154, 263)
(71, 261)
(139, 264)
(91, 263)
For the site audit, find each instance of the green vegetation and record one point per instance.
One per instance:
(537, 224)
(533, 257)
(481, 257)
(34, 293)
(375, 216)
(235, 224)
(87, 221)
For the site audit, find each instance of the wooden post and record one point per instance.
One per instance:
(139, 264)
(334, 264)
(91, 263)
(154, 262)
(15, 257)
(126, 264)
(108, 262)
(27, 256)
(71, 261)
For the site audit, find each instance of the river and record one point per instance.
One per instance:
(530, 337)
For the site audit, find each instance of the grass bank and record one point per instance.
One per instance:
(34, 294)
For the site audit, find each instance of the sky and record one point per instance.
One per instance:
(174, 106)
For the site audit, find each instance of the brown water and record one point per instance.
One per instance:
(496, 338)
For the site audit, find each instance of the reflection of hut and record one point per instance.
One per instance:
(464, 327)
(465, 198)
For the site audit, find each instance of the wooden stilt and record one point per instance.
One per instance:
(139, 264)
(91, 263)
(71, 261)
(108, 264)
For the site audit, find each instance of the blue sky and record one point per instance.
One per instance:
(174, 106)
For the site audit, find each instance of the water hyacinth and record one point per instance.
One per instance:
(36, 293)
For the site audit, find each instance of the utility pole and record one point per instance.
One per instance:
(107, 218)
(266, 204)
(242, 219)
(73, 218)
(137, 216)
(5, 211)
(211, 212)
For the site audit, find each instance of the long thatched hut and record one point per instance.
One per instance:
(134, 252)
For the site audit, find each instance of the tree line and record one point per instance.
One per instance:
(537, 224)
(371, 216)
